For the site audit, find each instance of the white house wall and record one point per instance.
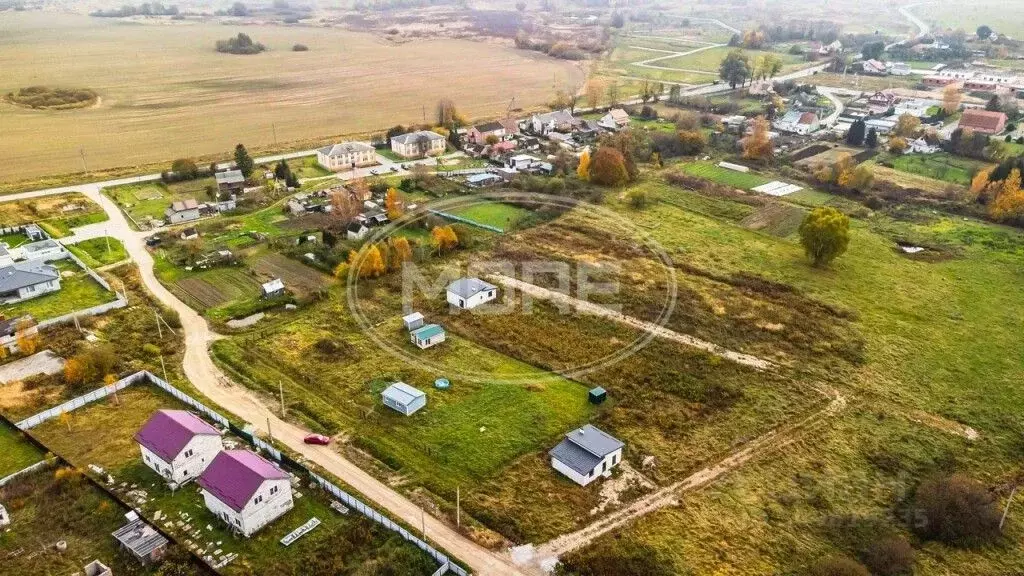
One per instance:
(203, 447)
(254, 517)
(612, 460)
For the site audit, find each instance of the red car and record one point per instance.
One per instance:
(317, 439)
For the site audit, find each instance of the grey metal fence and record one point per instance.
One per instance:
(94, 311)
(76, 403)
(31, 468)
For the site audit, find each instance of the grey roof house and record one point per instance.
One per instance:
(23, 280)
(469, 293)
(403, 398)
(585, 454)
(230, 182)
(418, 144)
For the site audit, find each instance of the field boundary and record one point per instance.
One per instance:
(449, 216)
(146, 377)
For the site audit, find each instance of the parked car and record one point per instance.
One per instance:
(153, 241)
(394, 168)
(318, 439)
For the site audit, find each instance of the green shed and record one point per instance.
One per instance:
(598, 395)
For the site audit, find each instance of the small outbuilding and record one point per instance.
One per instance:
(97, 568)
(412, 321)
(426, 336)
(597, 395)
(467, 293)
(404, 398)
(272, 289)
(356, 230)
(585, 454)
(141, 540)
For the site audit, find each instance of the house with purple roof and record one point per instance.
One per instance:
(178, 445)
(245, 490)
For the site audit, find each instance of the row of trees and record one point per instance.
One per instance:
(241, 44)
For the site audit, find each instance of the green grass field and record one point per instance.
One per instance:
(76, 292)
(495, 214)
(940, 166)
(102, 434)
(849, 477)
(15, 452)
(709, 60)
(151, 199)
(711, 171)
(97, 252)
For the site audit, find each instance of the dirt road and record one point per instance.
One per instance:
(659, 331)
(547, 553)
(208, 379)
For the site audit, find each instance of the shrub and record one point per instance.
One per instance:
(956, 510)
(825, 234)
(300, 48)
(615, 559)
(891, 556)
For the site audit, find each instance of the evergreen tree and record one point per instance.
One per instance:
(243, 161)
(858, 130)
(872, 138)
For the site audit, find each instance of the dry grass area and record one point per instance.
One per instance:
(166, 93)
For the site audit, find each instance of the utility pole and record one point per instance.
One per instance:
(423, 522)
(270, 433)
(458, 508)
(85, 165)
(273, 127)
(159, 330)
(1007, 509)
(424, 113)
(163, 368)
(280, 388)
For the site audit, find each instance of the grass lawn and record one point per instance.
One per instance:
(76, 292)
(56, 214)
(495, 214)
(102, 434)
(390, 155)
(151, 199)
(711, 171)
(15, 452)
(941, 166)
(97, 252)
(709, 60)
(306, 167)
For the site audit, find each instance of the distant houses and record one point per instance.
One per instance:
(346, 156)
(245, 490)
(403, 398)
(983, 121)
(480, 133)
(178, 445)
(615, 119)
(586, 454)
(418, 144)
(798, 122)
(557, 121)
(468, 293)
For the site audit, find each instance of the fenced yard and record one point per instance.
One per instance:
(940, 166)
(715, 173)
(78, 290)
(149, 200)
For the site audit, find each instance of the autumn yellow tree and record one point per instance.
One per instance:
(372, 264)
(394, 204)
(758, 146)
(593, 91)
(1009, 202)
(27, 338)
(444, 238)
(401, 251)
(979, 182)
(898, 144)
(907, 126)
(951, 99)
(583, 169)
(74, 371)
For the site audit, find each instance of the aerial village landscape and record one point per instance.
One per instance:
(568, 287)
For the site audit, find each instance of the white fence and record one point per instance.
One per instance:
(330, 488)
(37, 466)
(94, 311)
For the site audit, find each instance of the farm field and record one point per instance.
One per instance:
(711, 171)
(940, 166)
(77, 291)
(102, 434)
(212, 288)
(709, 60)
(1005, 18)
(176, 97)
(97, 252)
(845, 482)
(55, 214)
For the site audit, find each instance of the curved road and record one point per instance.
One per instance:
(208, 379)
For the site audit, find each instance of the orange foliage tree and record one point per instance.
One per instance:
(758, 146)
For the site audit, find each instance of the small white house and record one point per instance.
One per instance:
(615, 119)
(585, 454)
(427, 336)
(467, 293)
(412, 321)
(245, 490)
(178, 445)
(921, 146)
(272, 289)
(403, 398)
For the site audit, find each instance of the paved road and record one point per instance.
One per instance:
(830, 93)
(207, 378)
(922, 27)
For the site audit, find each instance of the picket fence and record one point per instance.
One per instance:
(264, 447)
